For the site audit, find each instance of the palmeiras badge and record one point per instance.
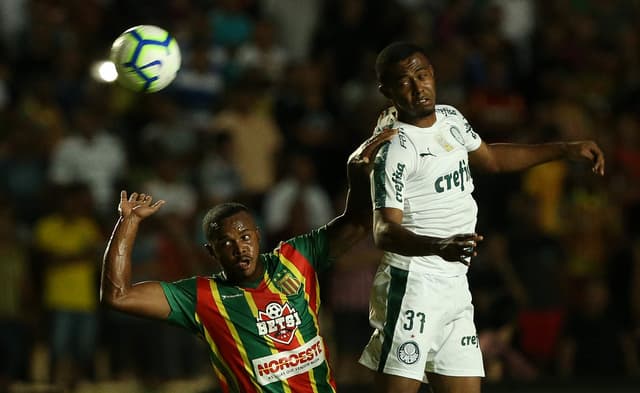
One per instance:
(457, 135)
(409, 352)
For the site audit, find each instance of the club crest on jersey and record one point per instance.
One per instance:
(456, 134)
(443, 142)
(278, 322)
(288, 284)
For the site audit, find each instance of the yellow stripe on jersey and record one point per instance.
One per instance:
(302, 279)
(272, 347)
(216, 352)
(234, 333)
(294, 269)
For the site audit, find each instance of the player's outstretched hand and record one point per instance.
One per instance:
(137, 205)
(459, 248)
(361, 160)
(589, 150)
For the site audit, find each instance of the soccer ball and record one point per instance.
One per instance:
(146, 57)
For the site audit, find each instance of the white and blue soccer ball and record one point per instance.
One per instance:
(147, 58)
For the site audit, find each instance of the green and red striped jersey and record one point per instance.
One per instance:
(266, 338)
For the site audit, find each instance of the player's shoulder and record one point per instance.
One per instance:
(448, 110)
(400, 144)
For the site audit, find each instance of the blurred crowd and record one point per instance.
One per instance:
(271, 98)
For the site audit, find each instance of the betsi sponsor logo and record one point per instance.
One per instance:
(278, 322)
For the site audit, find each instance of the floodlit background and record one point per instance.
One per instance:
(272, 97)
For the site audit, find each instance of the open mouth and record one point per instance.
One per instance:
(244, 263)
(423, 101)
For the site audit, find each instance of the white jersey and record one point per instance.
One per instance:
(425, 173)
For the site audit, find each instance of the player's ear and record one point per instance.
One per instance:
(384, 90)
(210, 250)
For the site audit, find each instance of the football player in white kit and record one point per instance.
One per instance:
(421, 306)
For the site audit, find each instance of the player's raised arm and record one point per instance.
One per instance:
(390, 235)
(509, 157)
(144, 299)
(355, 222)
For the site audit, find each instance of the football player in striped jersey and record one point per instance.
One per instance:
(259, 316)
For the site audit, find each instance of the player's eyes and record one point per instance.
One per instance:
(246, 237)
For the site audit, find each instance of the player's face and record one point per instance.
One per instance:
(410, 84)
(235, 244)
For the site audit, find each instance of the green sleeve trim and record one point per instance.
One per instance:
(379, 191)
(182, 298)
(314, 246)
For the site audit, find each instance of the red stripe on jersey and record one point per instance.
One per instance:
(212, 320)
(306, 270)
(311, 288)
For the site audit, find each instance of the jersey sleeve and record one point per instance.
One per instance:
(471, 138)
(314, 247)
(182, 298)
(392, 166)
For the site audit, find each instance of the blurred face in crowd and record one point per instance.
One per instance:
(410, 85)
(235, 243)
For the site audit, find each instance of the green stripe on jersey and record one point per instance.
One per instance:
(379, 177)
(397, 287)
(244, 321)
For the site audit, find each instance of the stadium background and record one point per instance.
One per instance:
(271, 98)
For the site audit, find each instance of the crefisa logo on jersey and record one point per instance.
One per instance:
(278, 321)
(396, 178)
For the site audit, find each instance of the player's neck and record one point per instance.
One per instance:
(421, 121)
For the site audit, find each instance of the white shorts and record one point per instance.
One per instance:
(423, 323)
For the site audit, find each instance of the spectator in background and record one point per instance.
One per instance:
(499, 295)
(169, 181)
(169, 133)
(68, 242)
(256, 136)
(200, 84)
(305, 113)
(349, 285)
(345, 39)
(231, 24)
(537, 257)
(592, 342)
(296, 203)
(263, 53)
(295, 21)
(23, 170)
(90, 155)
(5, 99)
(38, 105)
(218, 178)
(16, 301)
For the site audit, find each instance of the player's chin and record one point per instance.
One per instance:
(425, 110)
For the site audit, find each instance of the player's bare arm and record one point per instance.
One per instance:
(510, 157)
(390, 235)
(355, 222)
(145, 299)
